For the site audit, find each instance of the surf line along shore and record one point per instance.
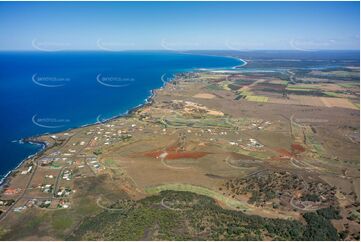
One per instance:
(36, 140)
(51, 143)
(47, 142)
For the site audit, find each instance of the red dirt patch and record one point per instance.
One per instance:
(297, 148)
(284, 152)
(185, 155)
(153, 154)
(172, 148)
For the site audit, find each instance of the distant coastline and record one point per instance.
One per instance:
(242, 65)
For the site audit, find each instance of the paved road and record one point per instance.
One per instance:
(4, 214)
(22, 195)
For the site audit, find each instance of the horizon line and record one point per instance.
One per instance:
(163, 50)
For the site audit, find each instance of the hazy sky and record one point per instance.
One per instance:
(179, 25)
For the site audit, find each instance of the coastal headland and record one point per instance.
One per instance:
(273, 146)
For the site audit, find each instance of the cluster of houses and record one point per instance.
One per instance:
(67, 174)
(109, 133)
(6, 202)
(63, 204)
(260, 125)
(20, 209)
(34, 202)
(64, 157)
(47, 188)
(63, 192)
(49, 176)
(46, 161)
(93, 162)
(44, 204)
(41, 204)
(254, 143)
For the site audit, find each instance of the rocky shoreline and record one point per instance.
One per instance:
(39, 139)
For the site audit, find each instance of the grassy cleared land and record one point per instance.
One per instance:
(214, 87)
(281, 82)
(246, 93)
(261, 99)
(62, 221)
(232, 203)
(303, 89)
(249, 96)
(198, 123)
(225, 85)
(349, 85)
(340, 73)
(332, 94)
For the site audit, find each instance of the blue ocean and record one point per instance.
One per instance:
(46, 92)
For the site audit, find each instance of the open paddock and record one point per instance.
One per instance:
(314, 101)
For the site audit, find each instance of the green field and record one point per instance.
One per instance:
(309, 86)
(349, 85)
(280, 82)
(262, 99)
(198, 123)
(249, 96)
(300, 88)
(109, 163)
(62, 220)
(246, 93)
(332, 94)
